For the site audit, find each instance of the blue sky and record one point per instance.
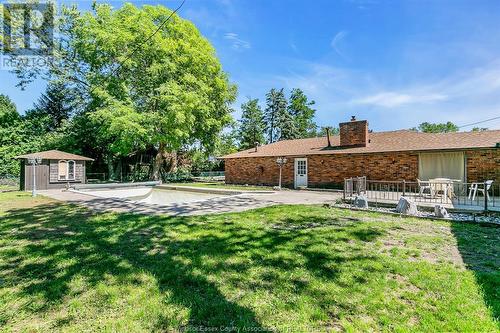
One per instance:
(395, 63)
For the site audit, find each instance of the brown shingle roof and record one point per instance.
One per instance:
(56, 155)
(404, 140)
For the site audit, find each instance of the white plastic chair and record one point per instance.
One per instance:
(422, 186)
(474, 188)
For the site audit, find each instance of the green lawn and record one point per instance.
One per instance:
(63, 268)
(5, 187)
(222, 185)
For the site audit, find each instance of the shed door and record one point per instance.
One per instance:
(42, 176)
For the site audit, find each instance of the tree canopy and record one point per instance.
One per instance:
(8, 111)
(56, 104)
(139, 88)
(251, 130)
(301, 110)
(275, 105)
(437, 128)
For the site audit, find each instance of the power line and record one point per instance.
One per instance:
(148, 39)
(120, 63)
(479, 122)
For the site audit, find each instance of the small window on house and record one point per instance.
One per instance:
(63, 170)
(66, 170)
(71, 170)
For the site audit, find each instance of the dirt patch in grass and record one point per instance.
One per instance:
(403, 281)
(431, 241)
(295, 224)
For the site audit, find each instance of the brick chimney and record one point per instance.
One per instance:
(354, 133)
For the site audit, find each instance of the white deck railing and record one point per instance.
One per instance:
(452, 193)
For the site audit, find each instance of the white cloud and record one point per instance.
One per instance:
(236, 42)
(394, 99)
(477, 86)
(463, 97)
(364, 4)
(336, 41)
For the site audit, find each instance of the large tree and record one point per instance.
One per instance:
(303, 113)
(10, 136)
(143, 82)
(287, 126)
(251, 130)
(273, 116)
(18, 135)
(8, 111)
(56, 104)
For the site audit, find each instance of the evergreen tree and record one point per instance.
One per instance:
(271, 115)
(287, 125)
(275, 116)
(303, 113)
(55, 104)
(251, 131)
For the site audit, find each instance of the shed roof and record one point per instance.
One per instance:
(393, 141)
(55, 155)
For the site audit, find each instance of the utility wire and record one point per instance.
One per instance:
(148, 39)
(479, 122)
(120, 63)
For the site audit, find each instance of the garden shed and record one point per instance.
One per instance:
(51, 169)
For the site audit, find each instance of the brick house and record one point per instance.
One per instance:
(394, 155)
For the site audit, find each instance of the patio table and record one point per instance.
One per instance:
(444, 185)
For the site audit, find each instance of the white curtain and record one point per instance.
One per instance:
(63, 169)
(441, 165)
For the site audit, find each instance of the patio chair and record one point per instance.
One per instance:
(474, 188)
(422, 186)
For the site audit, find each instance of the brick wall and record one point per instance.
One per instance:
(323, 169)
(483, 165)
(354, 133)
(332, 169)
(258, 171)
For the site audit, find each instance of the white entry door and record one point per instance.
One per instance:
(300, 172)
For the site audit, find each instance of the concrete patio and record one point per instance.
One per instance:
(224, 204)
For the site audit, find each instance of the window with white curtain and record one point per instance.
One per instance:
(66, 170)
(441, 165)
(63, 170)
(71, 170)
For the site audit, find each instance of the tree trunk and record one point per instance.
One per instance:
(158, 162)
(109, 163)
(164, 160)
(172, 156)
